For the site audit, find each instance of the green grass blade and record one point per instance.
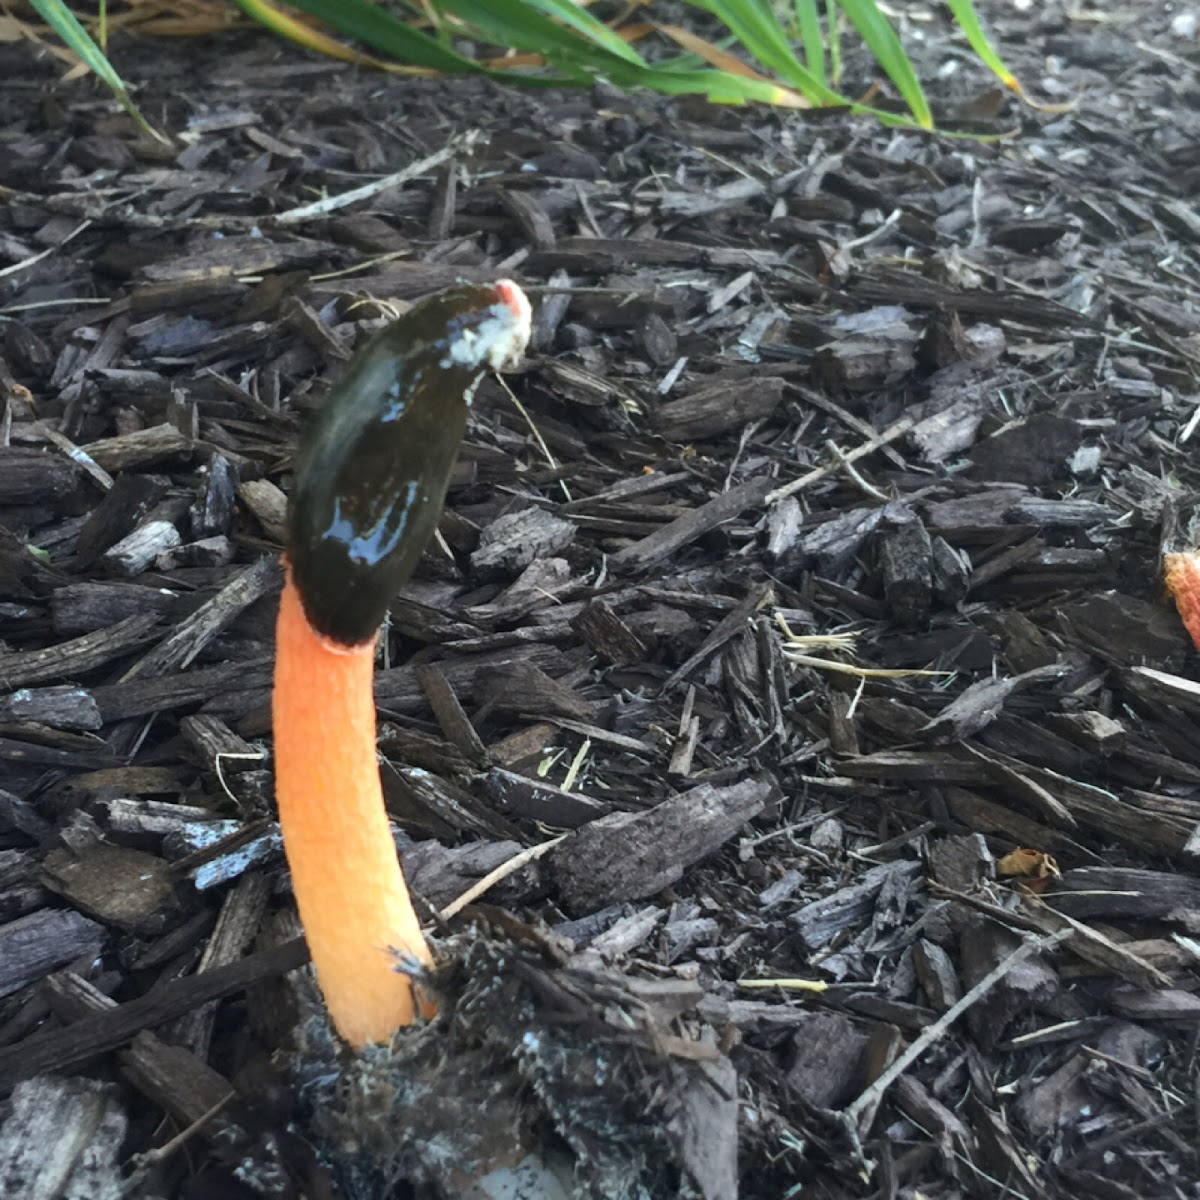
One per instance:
(881, 39)
(512, 23)
(759, 31)
(832, 21)
(577, 48)
(572, 15)
(377, 28)
(808, 23)
(519, 25)
(64, 23)
(721, 87)
(786, 95)
(968, 22)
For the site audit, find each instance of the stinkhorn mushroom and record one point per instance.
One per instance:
(371, 476)
(1181, 572)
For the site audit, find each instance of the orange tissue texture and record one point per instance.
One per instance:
(349, 889)
(1183, 582)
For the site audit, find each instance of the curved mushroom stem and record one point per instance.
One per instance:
(353, 902)
(370, 480)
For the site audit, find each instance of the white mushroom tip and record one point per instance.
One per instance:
(500, 339)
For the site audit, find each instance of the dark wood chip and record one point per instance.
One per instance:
(627, 856)
(62, 1049)
(719, 406)
(79, 656)
(681, 532)
(37, 944)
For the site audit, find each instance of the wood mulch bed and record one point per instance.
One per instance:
(803, 587)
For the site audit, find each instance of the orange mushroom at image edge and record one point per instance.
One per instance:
(1181, 573)
(370, 478)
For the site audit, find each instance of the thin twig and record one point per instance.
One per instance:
(797, 643)
(868, 1097)
(233, 756)
(157, 1154)
(829, 664)
(868, 488)
(503, 871)
(815, 986)
(889, 435)
(534, 431)
(76, 454)
(877, 232)
(34, 259)
(328, 204)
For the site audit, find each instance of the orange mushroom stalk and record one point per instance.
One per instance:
(371, 476)
(1181, 572)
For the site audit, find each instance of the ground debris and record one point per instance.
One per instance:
(795, 622)
(63, 1134)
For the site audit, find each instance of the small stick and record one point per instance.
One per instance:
(34, 259)
(889, 435)
(157, 1154)
(503, 871)
(320, 208)
(872, 1093)
(869, 488)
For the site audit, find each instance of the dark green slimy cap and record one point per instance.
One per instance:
(372, 469)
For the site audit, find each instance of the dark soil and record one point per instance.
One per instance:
(793, 378)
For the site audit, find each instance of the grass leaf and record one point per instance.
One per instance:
(832, 22)
(575, 17)
(520, 25)
(968, 22)
(63, 21)
(716, 57)
(758, 30)
(884, 44)
(555, 42)
(376, 27)
(286, 26)
(808, 25)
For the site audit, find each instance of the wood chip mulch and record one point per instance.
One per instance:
(804, 586)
